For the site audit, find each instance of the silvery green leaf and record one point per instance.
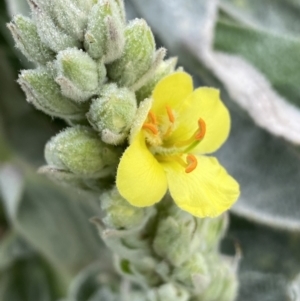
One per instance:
(266, 167)
(277, 16)
(276, 56)
(27, 281)
(294, 289)
(263, 287)
(12, 248)
(270, 261)
(51, 219)
(94, 283)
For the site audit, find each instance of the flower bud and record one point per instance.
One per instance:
(176, 239)
(119, 213)
(194, 269)
(24, 32)
(79, 150)
(43, 92)
(165, 68)
(112, 114)
(148, 75)
(223, 285)
(50, 33)
(105, 31)
(70, 18)
(137, 56)
(78, 75)
(211, 231)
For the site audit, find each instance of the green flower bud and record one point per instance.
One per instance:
(176, 239)
(105, 31)
(44, 93)
(50, 33)
(78, 75)
(223, 285)
(157, 60)
(165, 68)
(140, 270)
(194, 269)
(70, 18)
(137, 56)
(112, 114)
(212, 231)
(24, 32)
(119, 213)
(168, 292)
(80, 151)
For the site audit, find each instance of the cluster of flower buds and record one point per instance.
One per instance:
(92, 70)
(164, 244)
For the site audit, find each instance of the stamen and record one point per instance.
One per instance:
(202, 129)
(170, 114)
(152, 117)
(152, 127)
(192, 163)
(198, 134)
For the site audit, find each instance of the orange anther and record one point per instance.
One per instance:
(170, 114)
(192, 163)
(202, 129)
(152, 117)
(152, 127)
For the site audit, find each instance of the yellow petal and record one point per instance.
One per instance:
(207, 191)
(171, 91)
(141, 180)
(203, 103)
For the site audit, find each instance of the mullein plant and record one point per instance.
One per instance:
(137, 134)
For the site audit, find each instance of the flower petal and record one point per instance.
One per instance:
(141, 180)
(171, 91)
(203, 103)
(207, 191)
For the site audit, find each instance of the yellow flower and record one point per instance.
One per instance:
(172, 132)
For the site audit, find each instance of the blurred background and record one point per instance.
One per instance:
(250, 50)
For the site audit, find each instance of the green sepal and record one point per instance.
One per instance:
(119, 214)
(112, 113)
(24, 32)
(79, 76)
(52, 35)
(137, 56)
(70, 18)
(104, 36)
(165, 68)
(44, 93)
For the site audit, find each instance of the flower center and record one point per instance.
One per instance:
(157, 131)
